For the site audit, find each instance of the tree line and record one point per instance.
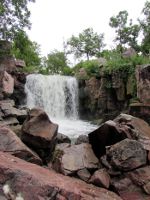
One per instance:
(15, 17)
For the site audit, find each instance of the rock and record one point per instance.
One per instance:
(10, 111)
(20, 63)
(130, 52)
(143, 83)
(10, 143)
(74, 158)
(149, 157)
(100, 178)
(127, 189)
(84, 174)
(140, 110)
(82, 139)
(135, 128)
(8, 84)
(9, 121)
(34, 182)
(146, 188)
(127, 155)
(61, 138)
(39, 133)
(107, 134)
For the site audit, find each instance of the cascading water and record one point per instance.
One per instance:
(58, 96)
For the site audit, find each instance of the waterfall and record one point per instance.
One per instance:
(58, 96)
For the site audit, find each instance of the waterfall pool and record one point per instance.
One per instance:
(58, 97)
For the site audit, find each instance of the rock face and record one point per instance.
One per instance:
(143, 83)
(39, 133)
(127, 155)
(10, 143)
(74, 158)
(45, 184)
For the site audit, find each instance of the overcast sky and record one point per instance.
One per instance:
(56, 20)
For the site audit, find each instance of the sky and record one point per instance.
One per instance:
(55, 21)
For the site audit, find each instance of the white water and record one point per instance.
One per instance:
(58, 96)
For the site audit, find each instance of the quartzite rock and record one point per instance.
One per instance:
(127, 155)
(10, 143)
(74, 158)
(37, 183)
(8, 84)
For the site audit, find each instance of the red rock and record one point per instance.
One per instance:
(127, 155)
(74, 158)
(39, 133)
(37, 183)
(8, 84)
(100, 178)
(10, 143)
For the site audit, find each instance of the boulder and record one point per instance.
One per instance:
(127, 155)
(100, 178)
(127, 189)
(123, 126)
(82, 139)
(84, 174)
(61, 138)
(34, 182)
(39, 133)
(10, 143)
(74, 158)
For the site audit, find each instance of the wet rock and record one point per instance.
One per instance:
(74, 158)
(127, 155)
(100, 178)
(39, 133)
(10, 143)
(61, 138)
(34, 182)
(84, 174)
(82, 139)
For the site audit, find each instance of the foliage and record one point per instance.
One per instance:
(87, 43)
(126, 32)
(25, 49)
(14, 16)
(90, 66)
(56, 63)
(145, 25)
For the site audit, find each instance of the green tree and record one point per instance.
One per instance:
(25, 49)
(126, 32)
(56, 62)
(86, 43)
(14, 16)
(145, 25)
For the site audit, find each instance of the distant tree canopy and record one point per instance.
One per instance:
(87, 43)
(14, 16)
(25, 49)
(126, 32)
(56, 62)
(145, 25)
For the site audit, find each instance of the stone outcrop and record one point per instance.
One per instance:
(7, 84)
(34, 182)
(39, 133)
(10, 143)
